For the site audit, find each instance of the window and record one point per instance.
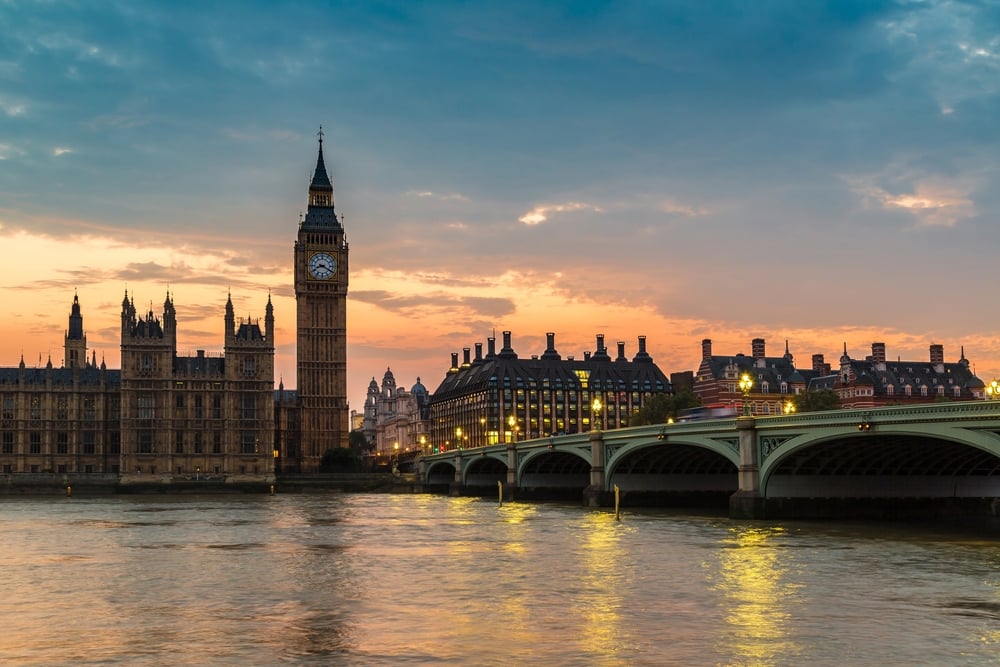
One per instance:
(179, 442)
(62, 408)
(197, 408)
(62, 442)
(145, 441)
(249, 407)
(8, 442)
(217, 442)
(145, 406)
(197, 442)
(248, 442)
(35, 442)
(89, 408)
(89, 440)
(9, 407)
(216, 407)
(35, 408)
(179, 406)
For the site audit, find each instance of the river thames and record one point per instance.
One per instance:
(429, 580)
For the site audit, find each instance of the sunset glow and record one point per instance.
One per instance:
(576, 170)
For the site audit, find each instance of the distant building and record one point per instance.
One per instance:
(859, 383)
(775, 379)
(396, 420)
(875, 381)
(500, 397)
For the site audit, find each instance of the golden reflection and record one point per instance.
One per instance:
(754, 579)
(602, 630)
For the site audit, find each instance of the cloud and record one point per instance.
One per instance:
(61, 150)
(678, 208)
(540, 214)
(12, 108)
(934, 201)
(436, 304)
(440, 197)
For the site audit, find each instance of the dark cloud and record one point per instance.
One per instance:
(436, 304)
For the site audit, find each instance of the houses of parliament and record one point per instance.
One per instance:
(161, 416)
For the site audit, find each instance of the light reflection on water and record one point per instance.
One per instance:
(379, 580)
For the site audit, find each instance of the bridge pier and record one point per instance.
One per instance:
(456, 486)
(747, 502)
(510, 489)
(596, 494)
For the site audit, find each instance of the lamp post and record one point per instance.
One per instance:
(993, 390)
(458, 437)
(512, 422)
(482, 431)
(789, 407)
(746, 384)
(596, 414)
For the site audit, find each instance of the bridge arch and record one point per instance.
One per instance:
(695, 466)
(484, 471)
(559, 471)
(935, 460)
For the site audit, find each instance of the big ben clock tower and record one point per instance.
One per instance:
(321, 322)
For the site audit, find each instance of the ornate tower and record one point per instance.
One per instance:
(75, 346)
(321, 322)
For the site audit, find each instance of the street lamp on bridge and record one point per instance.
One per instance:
(993, 390)
(746, 384)
(596, 415)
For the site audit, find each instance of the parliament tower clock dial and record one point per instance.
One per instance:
(321, 274)
(322, 265)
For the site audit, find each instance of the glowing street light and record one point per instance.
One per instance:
(597, 405)
(746, 384)
(458, 437)
(993, 390)
(789, 407)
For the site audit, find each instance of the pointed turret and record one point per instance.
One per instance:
(269, 321)
(75, 344)
(321, 214)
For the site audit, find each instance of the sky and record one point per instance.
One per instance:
(824, 173)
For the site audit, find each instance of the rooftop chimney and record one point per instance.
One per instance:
(642, 355)
(466, 361)
(818, 363)
(507, 350)
(550, 347)
(937, 354)
(878, 353)
(621, 351)
(491, 347)
(479, 353)
(454, 363)
(706, 349)
(757, 348)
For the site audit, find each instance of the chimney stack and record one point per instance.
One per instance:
(878, 353)
(706, 349)
(937, 354)
(757, 348)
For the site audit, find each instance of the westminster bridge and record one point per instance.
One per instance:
(933, 459)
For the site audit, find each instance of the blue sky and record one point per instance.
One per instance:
(823, 172)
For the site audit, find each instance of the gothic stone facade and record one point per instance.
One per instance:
(161, 415)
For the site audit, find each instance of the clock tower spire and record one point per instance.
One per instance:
(321, 323)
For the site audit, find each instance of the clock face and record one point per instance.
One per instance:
(322, 265)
